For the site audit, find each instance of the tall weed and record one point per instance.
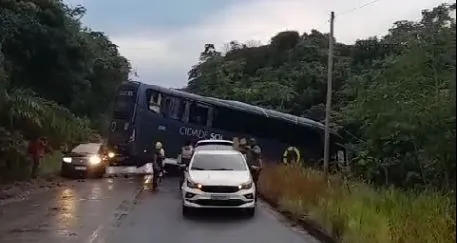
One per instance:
(357, 213)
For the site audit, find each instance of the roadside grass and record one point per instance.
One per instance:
(50, 165)
(357, 213)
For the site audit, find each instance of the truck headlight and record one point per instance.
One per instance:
(95, 160)
(111, 155)
(66, 159)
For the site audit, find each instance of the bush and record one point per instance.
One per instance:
(355, 212)
(50, 165)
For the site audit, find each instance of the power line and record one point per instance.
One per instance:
(346, 12)
(357, 8)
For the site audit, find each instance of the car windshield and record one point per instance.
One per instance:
(214, 143)
(208, 161)
(89, 148)
(214, 147)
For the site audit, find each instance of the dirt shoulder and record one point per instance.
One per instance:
(22, 189)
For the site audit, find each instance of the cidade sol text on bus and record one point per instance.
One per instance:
(199, 133)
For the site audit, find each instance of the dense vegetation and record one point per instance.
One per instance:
(394, 102)
(394, 97)
(56, 77)
(353, 212)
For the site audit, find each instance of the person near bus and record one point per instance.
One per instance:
(186, 154)
(37, 149)
(254, 159)
(243, 146)
(159, 157)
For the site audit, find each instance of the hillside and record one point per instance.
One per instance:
(394, 97)
(57, 77)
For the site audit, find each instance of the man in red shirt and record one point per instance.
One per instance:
(37, 150)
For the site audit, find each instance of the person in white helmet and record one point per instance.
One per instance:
(159, 157)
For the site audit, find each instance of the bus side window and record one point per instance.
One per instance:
(200, 114)
(240, 122)
(174, 108)
(228, 120)
(154, 100)
(255, 125)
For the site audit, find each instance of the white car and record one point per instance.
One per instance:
(218, 179)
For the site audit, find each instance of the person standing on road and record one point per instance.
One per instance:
(243, 147)
(186, 154)
(37, 149)
(159, 156)
(254, 159)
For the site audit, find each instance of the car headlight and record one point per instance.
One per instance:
(95, 160)
(111, 155)
(66, 159)
(193, 185)
(245, 186)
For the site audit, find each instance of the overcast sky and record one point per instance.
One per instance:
(163, 38)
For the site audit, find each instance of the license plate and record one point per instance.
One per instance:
(80, 168)
(219, 197)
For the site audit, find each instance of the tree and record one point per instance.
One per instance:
(394, 96)
(57, 77)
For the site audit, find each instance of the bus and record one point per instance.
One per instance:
(144, 114)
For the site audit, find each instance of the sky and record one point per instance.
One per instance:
(163, 39)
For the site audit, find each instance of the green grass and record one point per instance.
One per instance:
(50, 165)
(357, 213)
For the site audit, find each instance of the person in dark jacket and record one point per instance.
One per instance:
(254, 159)
(243, 147)
(186, 154)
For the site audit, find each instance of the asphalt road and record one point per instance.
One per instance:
(125, 210)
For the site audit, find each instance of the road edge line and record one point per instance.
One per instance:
(310, 226)
(24, 196)
(102, 232)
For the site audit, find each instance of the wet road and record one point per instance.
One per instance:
(120, 210)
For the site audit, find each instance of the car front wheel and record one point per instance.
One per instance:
(250, 212)
(66, 173)
(100, 174)
(186, 211)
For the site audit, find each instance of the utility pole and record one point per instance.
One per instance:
(328, 105)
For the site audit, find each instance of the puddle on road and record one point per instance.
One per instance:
(66, 211)
(29, 230)
(43, 230)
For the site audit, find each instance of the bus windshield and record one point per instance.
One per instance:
(124, 99)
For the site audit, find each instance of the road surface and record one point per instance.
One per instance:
(125, 210)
